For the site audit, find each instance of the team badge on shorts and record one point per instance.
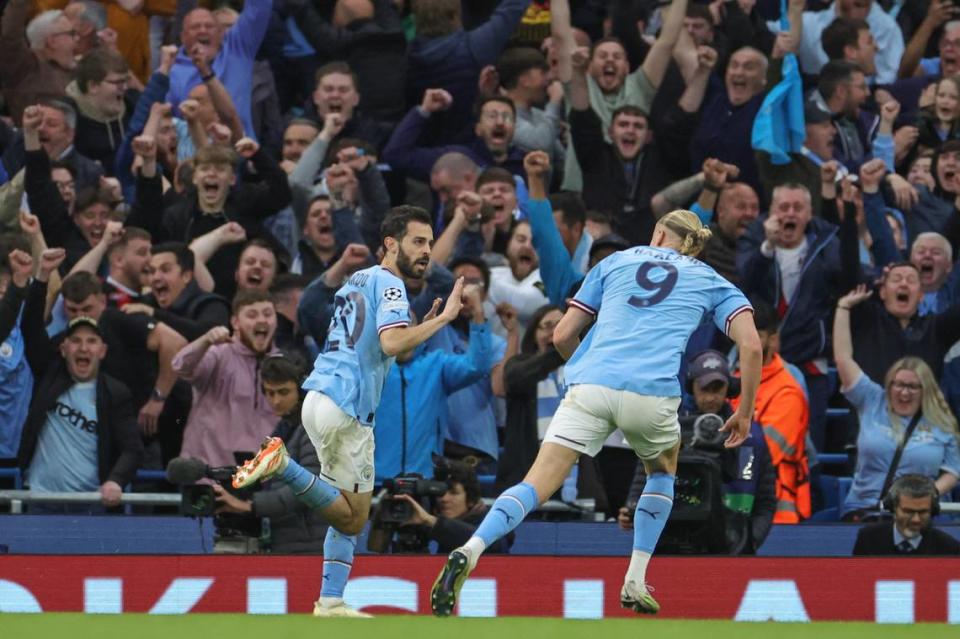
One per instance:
(367, 473)
(392, 294)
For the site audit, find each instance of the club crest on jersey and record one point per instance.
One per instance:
(392, 294)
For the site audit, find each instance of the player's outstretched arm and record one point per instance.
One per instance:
(402, 339)
(744, 333)
(566, 336)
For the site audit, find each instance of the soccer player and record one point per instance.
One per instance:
(369, 328)
(646, 301)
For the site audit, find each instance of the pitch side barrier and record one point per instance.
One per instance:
(897, 590)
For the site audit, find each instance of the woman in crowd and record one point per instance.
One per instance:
(909, 393)
(534, 383)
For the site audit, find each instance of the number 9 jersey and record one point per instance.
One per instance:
(352, 367)
(648, 301)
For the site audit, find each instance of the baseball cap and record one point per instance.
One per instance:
(815, 113)
(707, 367)
(81, 322)
(610, 240)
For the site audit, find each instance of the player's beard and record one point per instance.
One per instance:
(407, 266)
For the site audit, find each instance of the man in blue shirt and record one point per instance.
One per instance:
(645, 302)
(238, 46)
(369, 328)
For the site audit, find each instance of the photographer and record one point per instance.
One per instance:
(454, 518)
(294, 527)
(748, 495)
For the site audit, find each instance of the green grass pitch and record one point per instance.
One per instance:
(235, 626)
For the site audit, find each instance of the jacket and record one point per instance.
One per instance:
(229, 411)
(454, 61)
(119, 447)
(294, 526)
(46, 203)
(783, 413)
(877, 539)
(26, 79)
(16, 379)
(99, 136)
(248, 204)
(805, 327)
(233, 64)
(194, 312)
(402, 152)
(374, 48)
(521, 374)
(450, 534)
(606, 186)
(414, 402)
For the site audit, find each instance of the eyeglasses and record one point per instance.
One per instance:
(494, 116)
(904, 386)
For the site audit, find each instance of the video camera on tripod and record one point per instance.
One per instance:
(235, 533)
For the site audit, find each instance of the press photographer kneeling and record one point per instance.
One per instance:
(453, 511)
(293, 527)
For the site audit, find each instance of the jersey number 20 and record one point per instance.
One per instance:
(661, 289)
(347, 310)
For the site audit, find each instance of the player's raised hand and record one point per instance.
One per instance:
(454, 303)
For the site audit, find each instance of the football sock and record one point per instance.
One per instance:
(651, 516)
(307, 487)
(337, 561)
(506, 514)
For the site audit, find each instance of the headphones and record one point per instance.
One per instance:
(912, 484)
(733, 383)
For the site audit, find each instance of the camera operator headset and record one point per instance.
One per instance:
(454, 518)
(749, 488)
(294, 528)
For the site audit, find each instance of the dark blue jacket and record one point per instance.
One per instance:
(724, 133)
(403, 154)
(806, 326)
(454, 61)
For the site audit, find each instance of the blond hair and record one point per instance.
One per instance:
(688, 228)
(933, 404)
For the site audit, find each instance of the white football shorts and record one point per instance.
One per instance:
(344, 446)
(590, 413)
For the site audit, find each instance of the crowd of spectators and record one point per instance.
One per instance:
(184, 186)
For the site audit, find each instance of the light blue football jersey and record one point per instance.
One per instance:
(352, 367)
(647, 301)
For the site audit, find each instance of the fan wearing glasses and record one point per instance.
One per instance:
(909, 406)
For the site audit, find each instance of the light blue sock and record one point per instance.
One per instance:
(507, 512)
(337, 562)
(652, 512)
(307, 487)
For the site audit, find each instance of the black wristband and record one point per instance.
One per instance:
(710, 187)
(207, 78)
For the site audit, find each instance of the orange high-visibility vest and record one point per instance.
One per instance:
(783, 412)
